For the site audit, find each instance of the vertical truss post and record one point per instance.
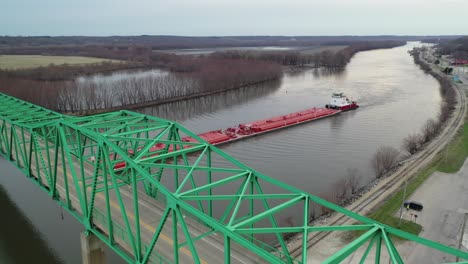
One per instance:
(239, 199)
(227, 249)
(20, 150)
(175, 236)
(15, 146)
(30, 155)
(369, 247)
(64, 168)
(393, 253)
(10, 145)
(210, 192)
(233, 202)
(56, 162)
(156, 235)
(189, 177)
(122, 207)
(193, 250)
(103, 159)
(351, 247)
(175, 136)
(251, 207)
(93, 190)
(78, 151)
(36, 156)
(49, 169)
(137, 216)
(378, 248)
(4, 137)
(25, 156)
(305, 233)
(274, 224)
(83, 202)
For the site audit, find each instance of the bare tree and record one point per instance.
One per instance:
(340, 189)
(353, 178)
(412, 143)
(312, 211)
(430, 130)
(329, 197)
(384, 159)
(445, 112)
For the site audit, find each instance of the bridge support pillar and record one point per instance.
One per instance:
(92, 249)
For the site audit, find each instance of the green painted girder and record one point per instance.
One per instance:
(155, 200)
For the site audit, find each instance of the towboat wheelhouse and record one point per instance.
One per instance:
(341, 102)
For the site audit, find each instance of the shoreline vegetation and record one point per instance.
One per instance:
(387, 159)
(55, 86)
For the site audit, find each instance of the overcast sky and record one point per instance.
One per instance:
(234, 17)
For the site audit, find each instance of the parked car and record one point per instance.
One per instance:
(413, 205)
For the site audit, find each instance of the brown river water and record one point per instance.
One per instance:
(395, 96)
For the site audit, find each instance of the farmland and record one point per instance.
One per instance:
(12, 62)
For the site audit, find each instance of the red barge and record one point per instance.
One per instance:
(338, 104)
(242, 131)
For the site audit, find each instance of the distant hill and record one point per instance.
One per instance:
(458, 48)
(162, 42)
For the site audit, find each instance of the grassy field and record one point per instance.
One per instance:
(13, 62)
(456, 153)
(385, 213)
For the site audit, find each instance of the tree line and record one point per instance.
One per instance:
(18, 43)
(66, 72)
(188, 76)
(458, 48)
(326, 58)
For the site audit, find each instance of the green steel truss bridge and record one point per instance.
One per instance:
(179, 202)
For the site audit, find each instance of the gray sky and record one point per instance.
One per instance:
(234, 17)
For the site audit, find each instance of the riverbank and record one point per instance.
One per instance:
(388, 193)
(451, 159)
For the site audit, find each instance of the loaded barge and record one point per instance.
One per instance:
(242, 131)
(338, 103)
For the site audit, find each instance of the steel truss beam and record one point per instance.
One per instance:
(170, 198)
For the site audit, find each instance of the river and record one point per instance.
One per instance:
(396, 98)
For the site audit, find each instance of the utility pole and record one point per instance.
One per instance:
(402, 202)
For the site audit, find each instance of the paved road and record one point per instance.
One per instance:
(444, 220)
(444, 217)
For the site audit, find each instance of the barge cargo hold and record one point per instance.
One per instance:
(242, 131)
(338, 104)
(247, 130)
